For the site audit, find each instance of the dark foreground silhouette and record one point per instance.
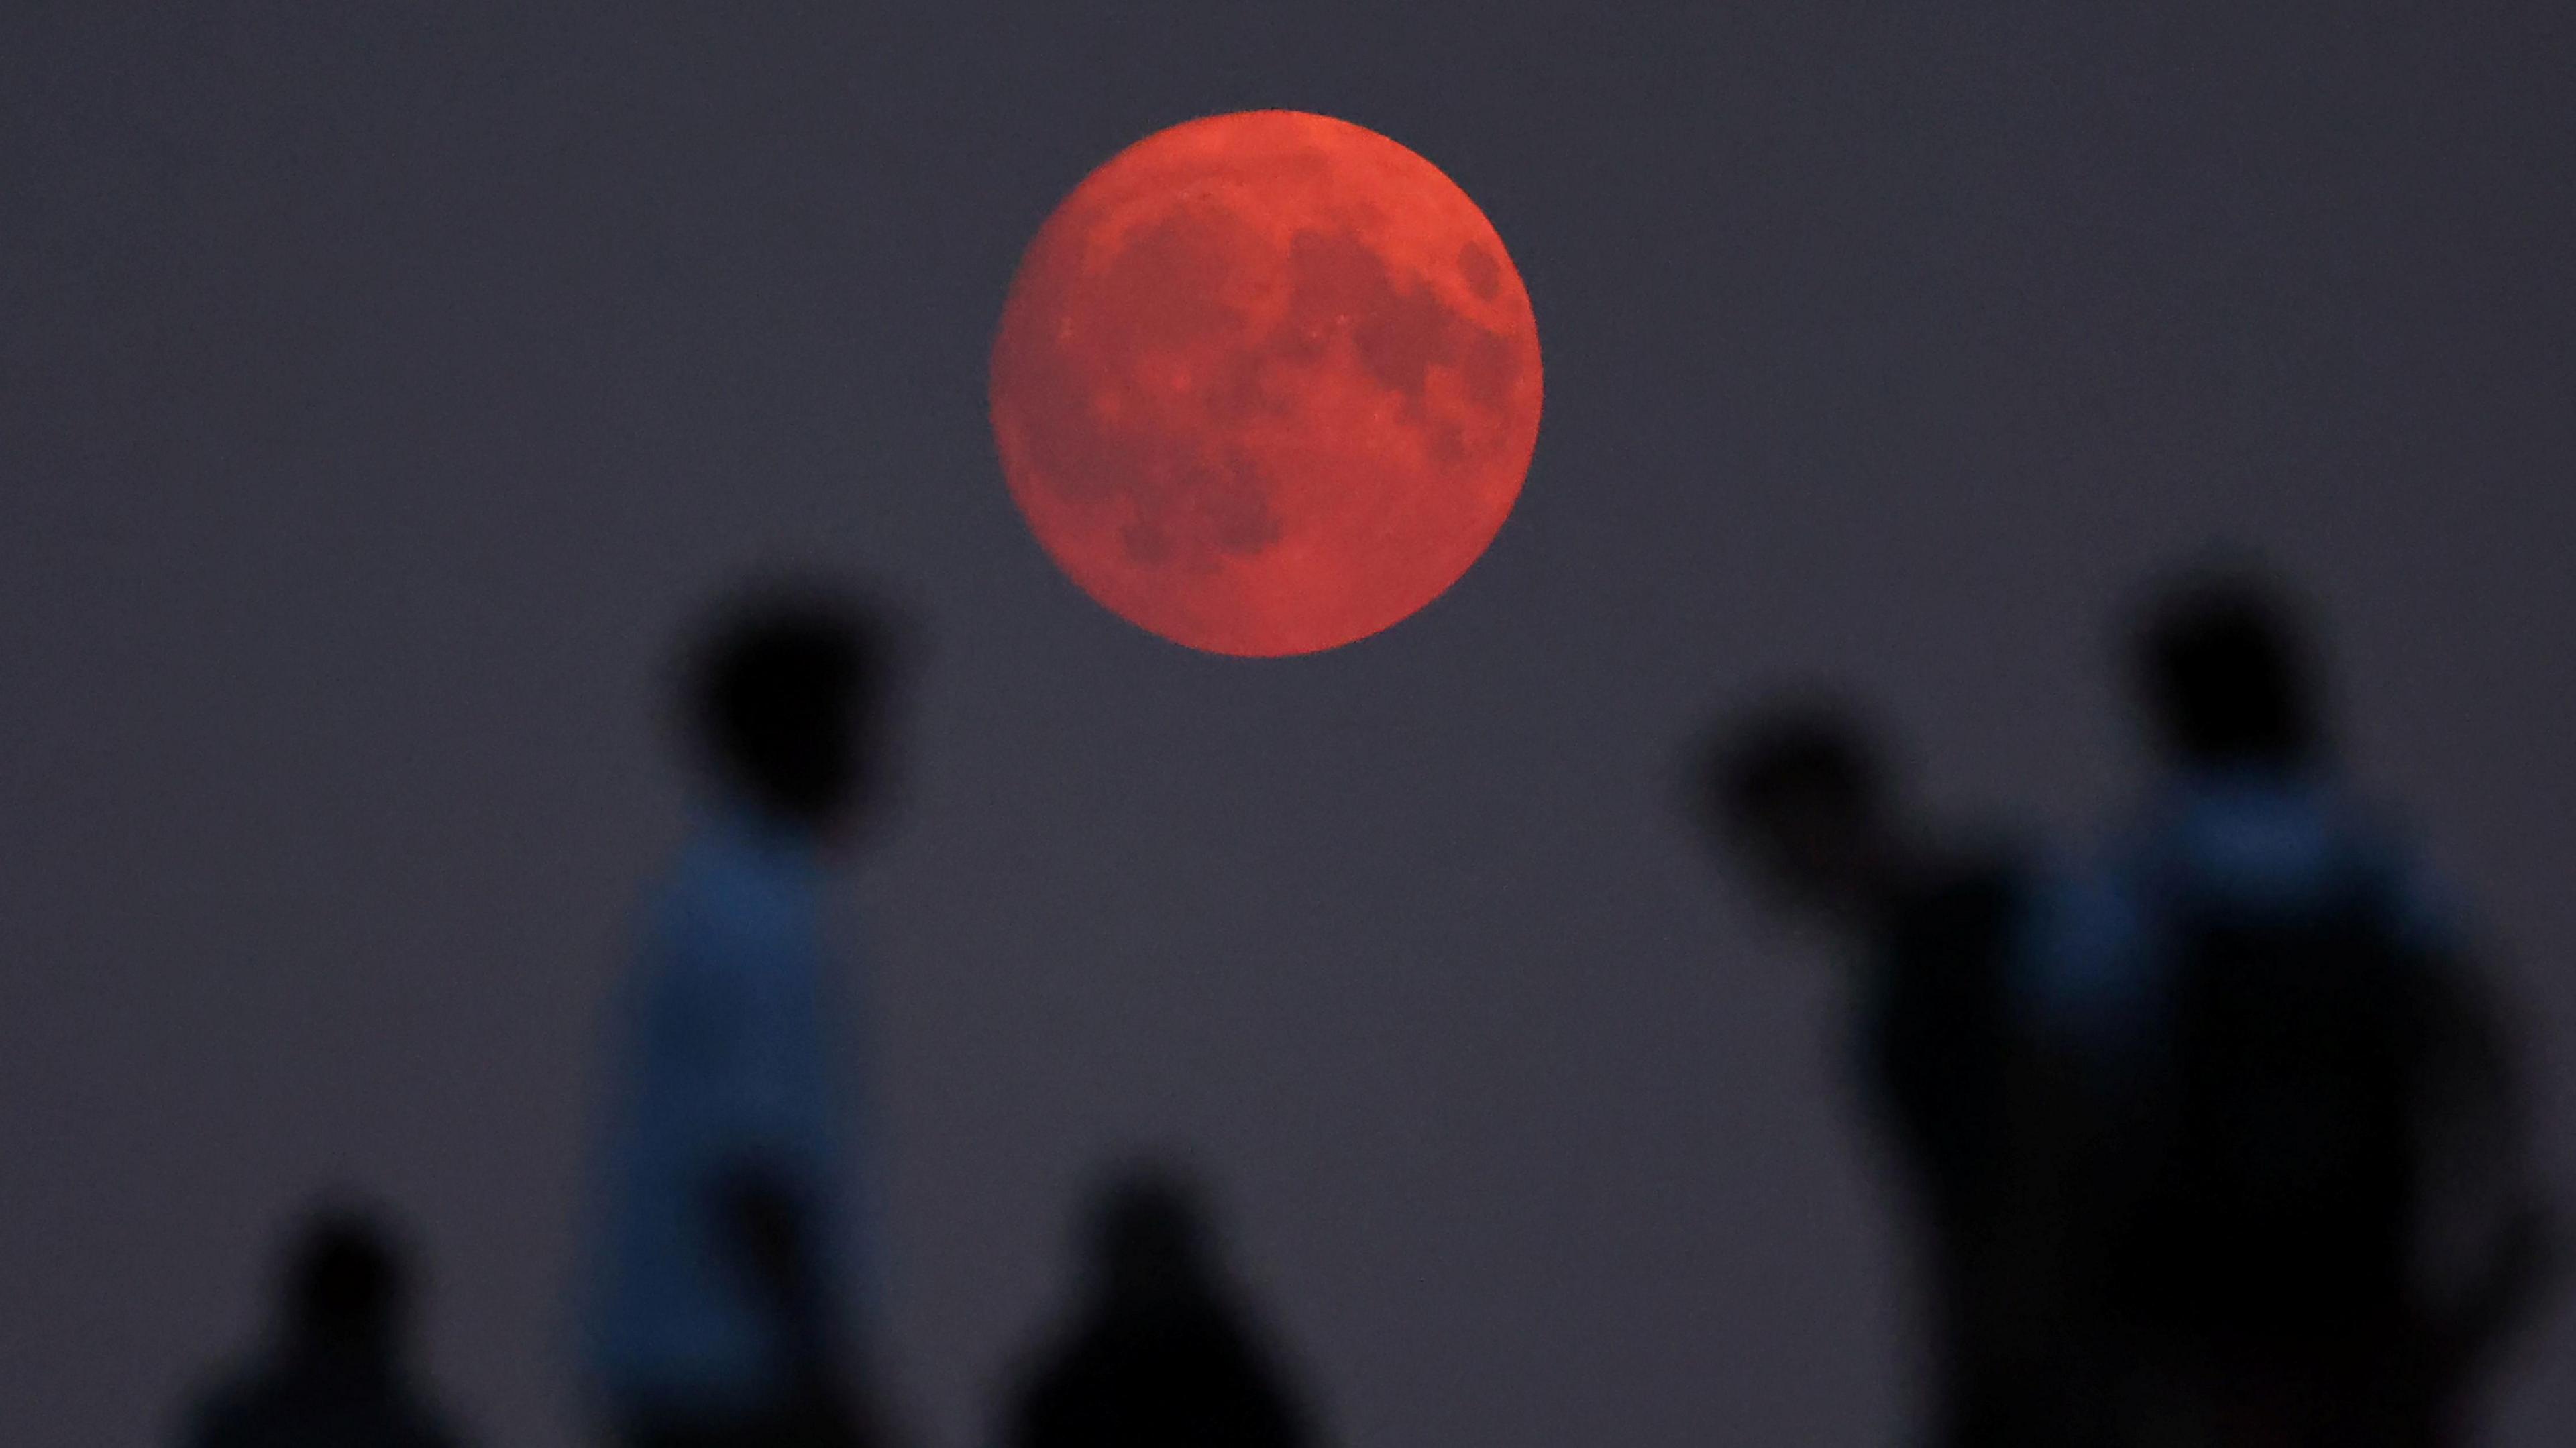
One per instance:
(723, 1310)
(2286, 1165)
(2217, 1140)
(1804, 794)
(1163, 1354)
(338, 1374)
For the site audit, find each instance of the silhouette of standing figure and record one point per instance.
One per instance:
(719, 1312)
(339, 1375)
(2314, 1217)
(1163, 1355)
(1803, 795)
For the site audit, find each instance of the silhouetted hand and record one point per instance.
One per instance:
(765, 1229)
(772, 1239)
(772, 1245)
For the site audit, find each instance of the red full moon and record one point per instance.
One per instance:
(1266, 383)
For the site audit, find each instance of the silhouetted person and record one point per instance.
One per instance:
(722, 1313)
(339, 1373)
(1804, 795)
(2306, 1211)
(1163, 1354)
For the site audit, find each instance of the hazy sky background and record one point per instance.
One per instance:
(381, 386)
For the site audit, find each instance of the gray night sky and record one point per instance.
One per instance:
(381, 386)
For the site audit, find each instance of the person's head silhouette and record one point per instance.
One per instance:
(1163, 1350)
(347, 1292)
(2225, 677)
(784, 698)
(1802, 792)
(1149, 1235)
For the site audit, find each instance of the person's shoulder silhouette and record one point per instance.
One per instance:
(1163, 1352)
(338, 1374)
(1807, 793)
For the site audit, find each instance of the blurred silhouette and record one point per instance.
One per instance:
(2289, 1156)
(1163, 1355)
(720, 1313)
(1804, 794)
(339, 1373)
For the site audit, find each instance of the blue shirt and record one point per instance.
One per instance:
(2095, 978)
(726, 1060)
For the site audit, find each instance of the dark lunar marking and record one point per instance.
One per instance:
(1182, 512)
(1055, 418)
(1088, 462)
(1237, 392)
(1146, 543)
(1236, 498)
(1333, 282)
(1162, 294)
(1476, 264)
(1411, 333)
(1491, 368)
(1298, 340)
(1400, 334)
(1167, 283)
